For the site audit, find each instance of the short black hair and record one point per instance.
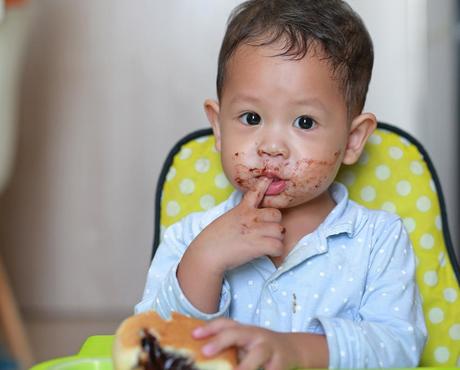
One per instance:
(302, 25)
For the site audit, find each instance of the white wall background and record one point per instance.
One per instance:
(110, 85)
(415, 77)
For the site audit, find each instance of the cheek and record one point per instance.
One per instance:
(240, 174)
(311, 175)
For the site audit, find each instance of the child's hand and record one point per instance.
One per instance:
(258, 347)
(242, 234)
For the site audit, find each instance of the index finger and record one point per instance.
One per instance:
(253, 197)
(213, 327)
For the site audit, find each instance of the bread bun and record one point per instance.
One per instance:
(137, 338)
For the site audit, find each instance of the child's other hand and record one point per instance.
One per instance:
(242, 234)
(258, 347)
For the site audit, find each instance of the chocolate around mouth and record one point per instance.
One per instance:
(153, 357)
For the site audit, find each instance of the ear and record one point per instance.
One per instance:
(361, 128)
(211, 107)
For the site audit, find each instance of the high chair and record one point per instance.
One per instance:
(394, 173)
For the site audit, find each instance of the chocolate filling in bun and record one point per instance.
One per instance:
(146, 341)
(153, 357)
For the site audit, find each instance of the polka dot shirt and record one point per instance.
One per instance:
(352, 280)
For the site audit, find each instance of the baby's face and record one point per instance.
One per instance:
(283, 119)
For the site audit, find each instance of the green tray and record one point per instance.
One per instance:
(95, 354)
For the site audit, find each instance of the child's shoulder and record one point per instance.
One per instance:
(378, 220)
(374, 214)
(348, 211)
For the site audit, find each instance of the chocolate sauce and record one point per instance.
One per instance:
(153, 357)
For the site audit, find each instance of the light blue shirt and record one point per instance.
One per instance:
(352, 279)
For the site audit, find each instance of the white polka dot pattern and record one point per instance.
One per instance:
(185, 153)
(391, 175)
(172, 208)
(454, 332)
(430, 278)
(383, 172)
(416, 167)
(368, 194)
(423, 204)
(395, 152)
(403, 188)
(171, 174)
(389, 207)
(207, 201)
(442, 354)
(221, 181)
(202, 165)
(427, 241)
(450, 295)
(436, 315)
(375, 139)
(187, 186)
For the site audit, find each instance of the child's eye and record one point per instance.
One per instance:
(304, 122)
(250, 118)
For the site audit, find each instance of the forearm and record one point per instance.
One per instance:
(309, 350)
(164, 293)
(199, 281)
(368, 344)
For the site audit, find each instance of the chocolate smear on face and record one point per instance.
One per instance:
(153, 357)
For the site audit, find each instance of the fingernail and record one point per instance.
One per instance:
(208, 350)
(198, 332)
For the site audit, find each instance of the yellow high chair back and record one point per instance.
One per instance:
(394, 173)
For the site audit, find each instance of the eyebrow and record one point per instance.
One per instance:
(244, 98)
(313, 102)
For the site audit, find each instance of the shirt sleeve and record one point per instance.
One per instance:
(390, 329)
(162, 292)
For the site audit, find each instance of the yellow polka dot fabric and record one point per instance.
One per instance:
(391, 175)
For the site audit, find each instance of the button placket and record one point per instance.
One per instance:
(274, 286)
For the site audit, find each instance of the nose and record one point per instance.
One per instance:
(273, 145)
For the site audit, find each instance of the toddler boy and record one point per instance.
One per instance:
(295, 273)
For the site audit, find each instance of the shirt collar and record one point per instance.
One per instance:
(344, 216)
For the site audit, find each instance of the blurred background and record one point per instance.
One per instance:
(93, 94)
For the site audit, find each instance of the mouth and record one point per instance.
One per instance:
(277, 186)
(270, 174)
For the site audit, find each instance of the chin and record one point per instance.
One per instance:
(278, 201)
(285, 201)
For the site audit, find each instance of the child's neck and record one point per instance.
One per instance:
(302, 220)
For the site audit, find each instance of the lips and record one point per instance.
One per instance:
(277, 185)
